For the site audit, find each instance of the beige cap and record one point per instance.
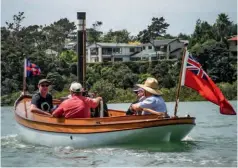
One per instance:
(75, 87)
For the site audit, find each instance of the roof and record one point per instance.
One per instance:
(115, 45)
(161, 42)
(235, 38)
(147, 53)
(184, 41)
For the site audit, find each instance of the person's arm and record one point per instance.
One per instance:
(34, 109)
(93, 103)
(58, 112)
(146, 103)
(136, 107)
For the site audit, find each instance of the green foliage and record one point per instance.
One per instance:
(105, 89)
(63, 93)
(113, 81)
(68, 56)
(120, 36)
(217, 63)
(93, 34)
(123, 96)
(9, 99)
(157, 29)
(57, 80)
(229, 90)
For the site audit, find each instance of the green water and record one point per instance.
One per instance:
(212, 142)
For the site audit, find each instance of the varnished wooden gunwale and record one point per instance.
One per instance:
(102, 127)
(90, 125)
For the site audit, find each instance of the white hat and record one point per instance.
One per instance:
(75, 87)
(151, 85)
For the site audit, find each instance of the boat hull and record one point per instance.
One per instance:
(85, 132)
(143, 135)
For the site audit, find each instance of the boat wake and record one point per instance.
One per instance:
(13, 141)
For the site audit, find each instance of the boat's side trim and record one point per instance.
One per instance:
(100, 128)
(23, 108)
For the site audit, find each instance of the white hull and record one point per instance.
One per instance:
(144, 135)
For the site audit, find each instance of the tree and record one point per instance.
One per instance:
(157, 29)
(57, 33)
(222, 26)
(203, 32)
(184, 36)
(68, 56)
(119, 36)
(93, 34)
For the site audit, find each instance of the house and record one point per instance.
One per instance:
(104, 52)
(71, 45)
(51, 52)
(233, 47)
(161, 49)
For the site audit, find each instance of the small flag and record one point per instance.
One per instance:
(193, 76)
(31, 69)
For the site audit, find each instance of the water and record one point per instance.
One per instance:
(212, 142)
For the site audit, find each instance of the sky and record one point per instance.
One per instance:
(133, 15)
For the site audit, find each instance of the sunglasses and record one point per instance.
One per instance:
(44, 85)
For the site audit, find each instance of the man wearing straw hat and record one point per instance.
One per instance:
(153, 103)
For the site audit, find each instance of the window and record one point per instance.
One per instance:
(132, 49)
(143, 47)
(157, 48)
(107, 59)
(94, 51)
(117, 50)
(149, 47)
(106, 51)
(117, 59)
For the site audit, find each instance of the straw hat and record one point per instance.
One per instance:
(151, 86)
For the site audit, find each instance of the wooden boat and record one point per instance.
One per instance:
(117, 128)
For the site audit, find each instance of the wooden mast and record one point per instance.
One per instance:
(179, 84)
(24, 76)
(81, 47)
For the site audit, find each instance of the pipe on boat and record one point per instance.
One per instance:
(101, 109)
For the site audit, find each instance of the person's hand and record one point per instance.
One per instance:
(100, 98)
(47, 113)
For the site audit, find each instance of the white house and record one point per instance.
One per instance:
(161, 49)
(103, 52)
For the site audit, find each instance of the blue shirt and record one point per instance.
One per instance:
(153, 102)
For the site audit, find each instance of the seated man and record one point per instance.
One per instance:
(42, 101)
(77, 106)
(140, 96)
(153, 99)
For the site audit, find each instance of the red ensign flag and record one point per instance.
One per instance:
(196, 78)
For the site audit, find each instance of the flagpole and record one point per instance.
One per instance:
(179, 84)
(24, 77)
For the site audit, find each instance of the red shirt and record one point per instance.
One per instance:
(75, 107)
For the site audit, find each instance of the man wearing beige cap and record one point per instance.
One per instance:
(77, 106)
(42, 101)
(153, 99)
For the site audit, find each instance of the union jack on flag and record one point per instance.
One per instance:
(31, 69)
(195, 67)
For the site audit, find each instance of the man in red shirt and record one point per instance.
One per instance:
(77, 106)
